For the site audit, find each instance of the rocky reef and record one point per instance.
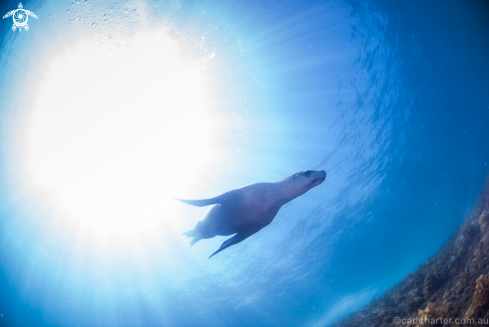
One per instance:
(450, 289)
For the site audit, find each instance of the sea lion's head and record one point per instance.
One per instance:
(312, 178)
(307, 178)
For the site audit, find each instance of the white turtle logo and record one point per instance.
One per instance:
(20, 17)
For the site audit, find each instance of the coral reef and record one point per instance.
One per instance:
(450, 289)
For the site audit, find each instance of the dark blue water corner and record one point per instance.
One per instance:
(111, 110)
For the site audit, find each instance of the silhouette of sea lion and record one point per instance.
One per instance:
(244, 211)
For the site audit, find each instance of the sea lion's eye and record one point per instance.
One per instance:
(307, 173)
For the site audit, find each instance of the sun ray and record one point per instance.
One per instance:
(115, 132)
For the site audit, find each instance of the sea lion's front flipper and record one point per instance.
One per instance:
(201, 203)
(233, 240)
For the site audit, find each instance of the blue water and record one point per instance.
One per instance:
(389, 97)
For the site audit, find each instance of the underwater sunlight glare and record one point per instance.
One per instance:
(115, 133)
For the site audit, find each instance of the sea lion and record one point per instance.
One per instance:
(244, 211)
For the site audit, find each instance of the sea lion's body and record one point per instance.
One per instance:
(245, 211)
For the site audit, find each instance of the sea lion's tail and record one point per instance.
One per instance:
(192, 233)
(195, 240)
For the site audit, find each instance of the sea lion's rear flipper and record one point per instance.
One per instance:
(191, 233)
(233, 240)
(201, 203)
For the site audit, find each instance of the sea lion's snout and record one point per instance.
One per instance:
(318, 177)
(322, 175)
